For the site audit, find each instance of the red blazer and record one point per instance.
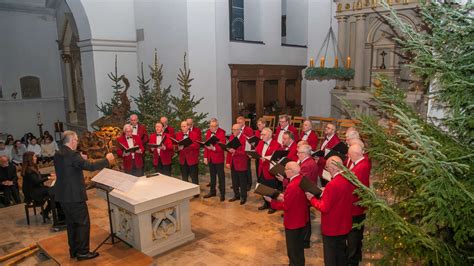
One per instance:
(291, 128)
(165, 155)
(335, 206)
(239, 160)
(294, 206)
(142, 133)
(170, 131)
(264, 165)
(293, 151)
(198, 132)
(190, 154)
(312, 139)
(216, 156)
(248, 131)
(127, 160)
(362, 171)
(321, 161)
(309, 169)
(257, 133)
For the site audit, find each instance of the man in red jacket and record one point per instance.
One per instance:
(284, 125)
(248, 132)
(290, 145)
(330, 140)
(139, 129)
(214, 157)
(167, 128)
(132, 161)
(308, 166)
(360, 166)
(237, 161)
(309, 135)
(336, 219)
(265, 149)
(296, 214)
(163, 154)
(188, 156)
(194, 128)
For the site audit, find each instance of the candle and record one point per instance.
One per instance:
(348, 62)
(311, 62)
(336, 62)
(322, 62)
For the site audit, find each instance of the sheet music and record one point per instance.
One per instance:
(121, 181)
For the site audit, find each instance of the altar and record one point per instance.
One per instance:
(153, 216)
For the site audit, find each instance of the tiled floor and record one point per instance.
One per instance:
(226, 233)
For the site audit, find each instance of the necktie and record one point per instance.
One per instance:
(159, 135)
(129, 137)
(134, 127)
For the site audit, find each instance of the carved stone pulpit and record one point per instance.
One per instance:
(154, 216)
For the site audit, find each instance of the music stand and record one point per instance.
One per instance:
(112, 235)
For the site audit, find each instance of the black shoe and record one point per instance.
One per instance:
(72, 255)
(222, 198)
(233, 199)
(243, 201)
(87, 256)
(209, 195)
(307, 245)
(263, 207)
(270, 211)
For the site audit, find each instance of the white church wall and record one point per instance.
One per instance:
(29, 49)
(164, 24)
(296, 22)
(316, 94)
(252, 20)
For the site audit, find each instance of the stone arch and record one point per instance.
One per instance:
(379, 24)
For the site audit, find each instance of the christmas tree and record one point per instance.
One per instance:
(421, 206)
(153, 103)
(184, 106)
(107, 107)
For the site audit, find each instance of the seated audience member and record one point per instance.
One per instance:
(9, 145)
(33, 187)
(34, 147)
(44, 137)
(48, 149)
(3, 149)
(17, 152)
(8, 181)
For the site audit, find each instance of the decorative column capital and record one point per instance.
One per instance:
(360, 17)
(66, 58)
(341, 19)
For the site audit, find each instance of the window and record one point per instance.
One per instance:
(237, 20)
(30, 87)
(1, 91)
(283, 26)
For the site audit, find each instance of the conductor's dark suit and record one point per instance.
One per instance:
(70, 191)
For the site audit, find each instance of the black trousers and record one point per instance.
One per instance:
(354, 241)
(11, 194)
(163, 169)
(249, 174)
(257, 163)
(307, 237)
(189, 171)
(271, 183)
(135, 171)
(239, 183)
(295, 245)
(335, 250)
(324, 182)
(78, 226)
(217, 170)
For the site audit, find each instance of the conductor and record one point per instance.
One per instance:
(70, 191)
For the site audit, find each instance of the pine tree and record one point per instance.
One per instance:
(184, 106)
(153, 103)
(421, 206)
(106, 108)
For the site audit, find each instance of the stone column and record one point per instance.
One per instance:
(282, 92)
(341, 44)
(359, 52)
(72, 114)
(259, 96)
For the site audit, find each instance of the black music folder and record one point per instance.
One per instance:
(157, 145)
(263, 190)
(184, 142)
(253, 140)
(278, 154)
(277, 169)
(129, 150)
(209, 142)
(253, 154)
(307, 186)
(233, 144)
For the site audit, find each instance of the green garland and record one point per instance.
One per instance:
(312, 73)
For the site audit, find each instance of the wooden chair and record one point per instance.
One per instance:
(248, 121)
(343, 125)
(270, 121)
